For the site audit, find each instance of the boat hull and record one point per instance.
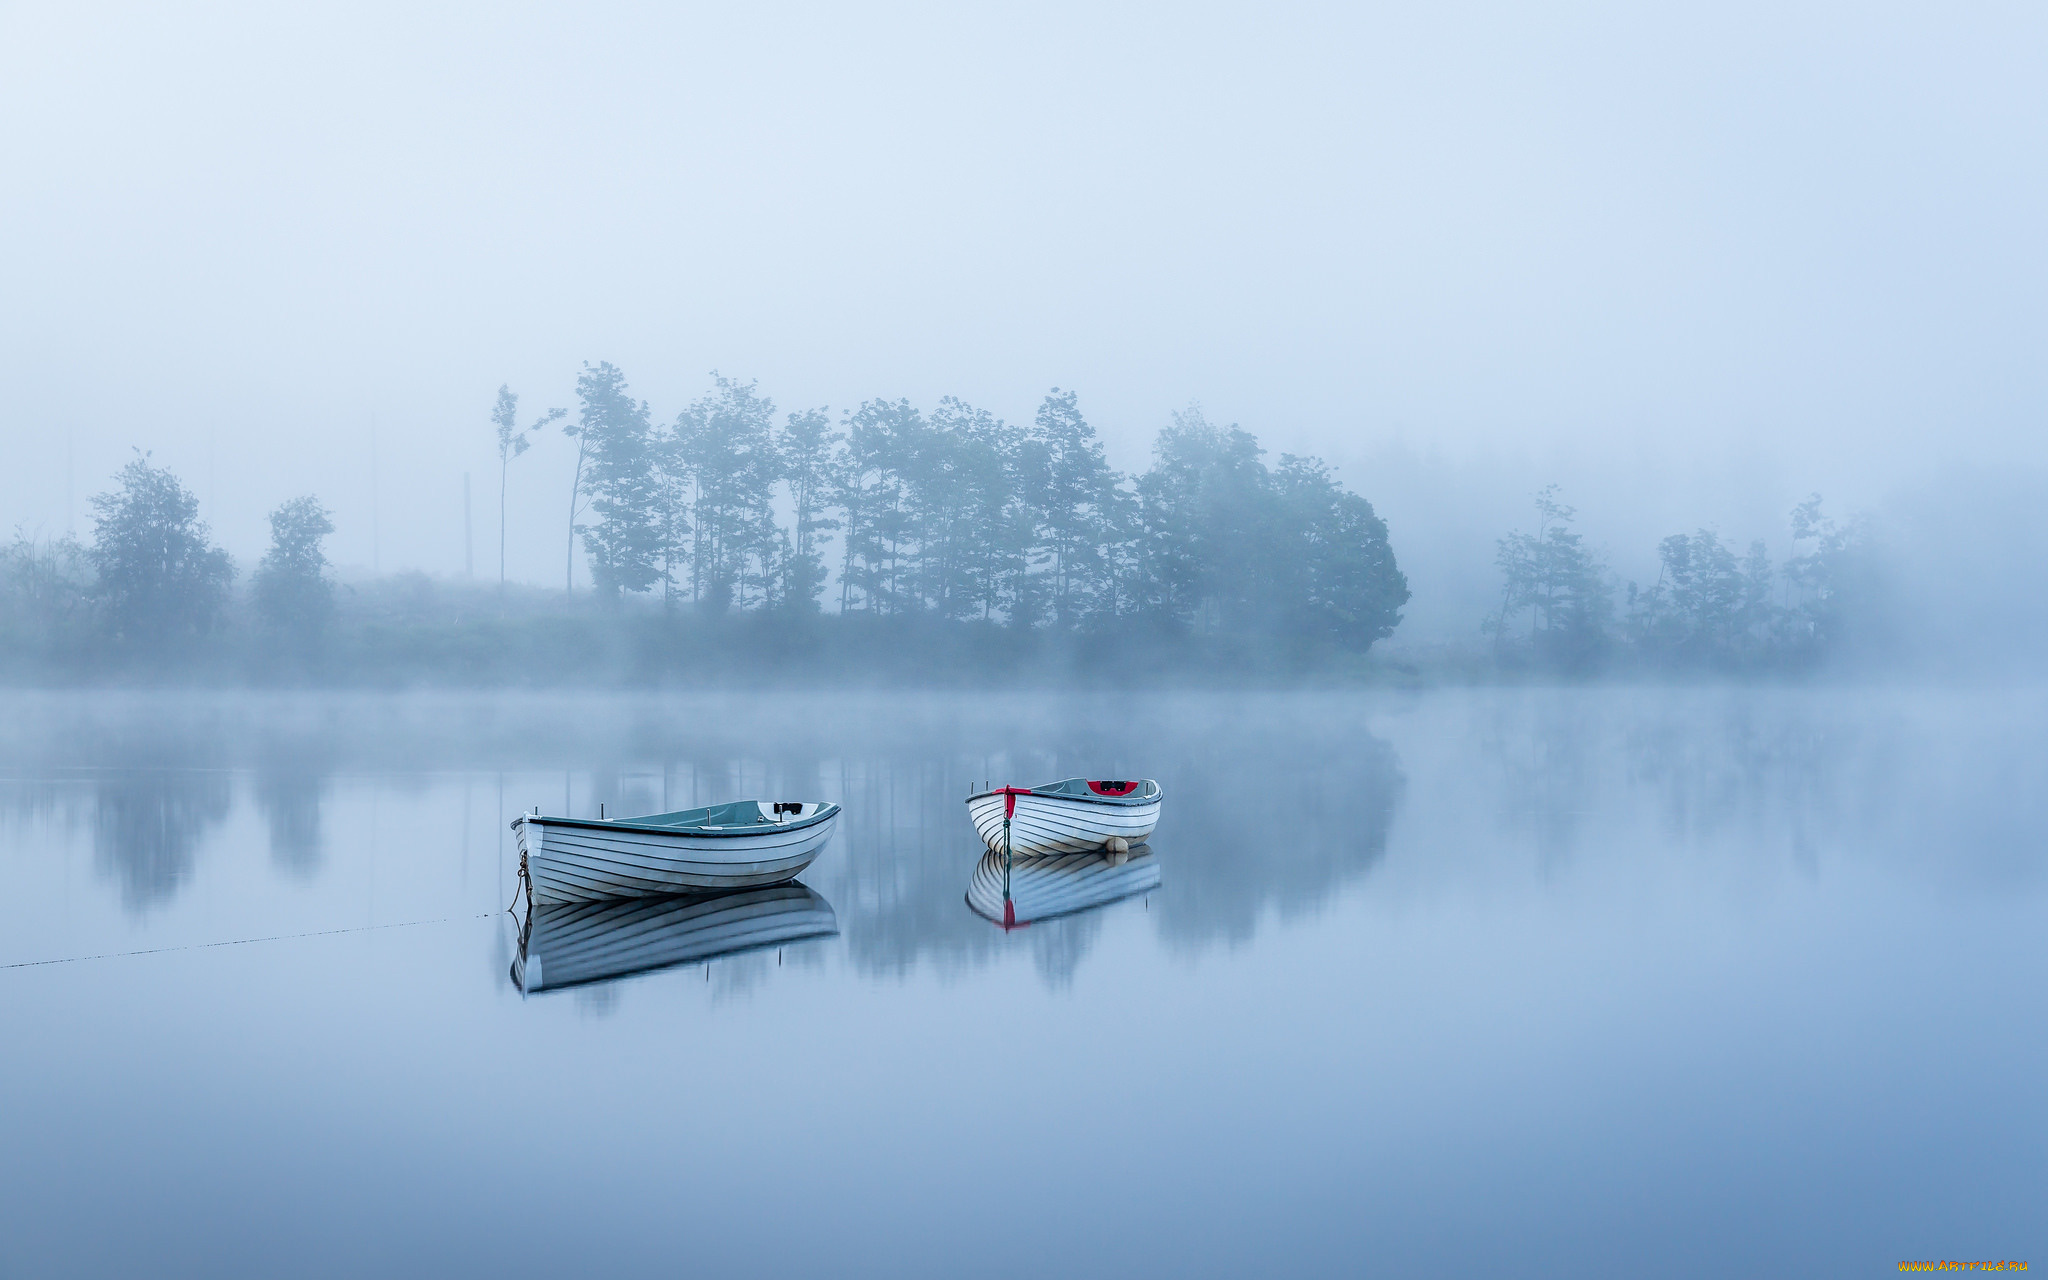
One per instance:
(582, 862)
(571, 943)
(1042, 888)
(1046, 826)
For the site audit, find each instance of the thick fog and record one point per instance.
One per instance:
(1520, 526)
(1690, 264)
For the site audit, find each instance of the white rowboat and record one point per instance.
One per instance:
(743, 845)
(1041, 888)
(1079, 815)
(577, 942)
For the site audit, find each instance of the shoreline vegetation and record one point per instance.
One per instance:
(899, 547)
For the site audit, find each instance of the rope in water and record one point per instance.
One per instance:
(242, 942)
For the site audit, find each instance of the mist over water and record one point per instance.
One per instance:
(1552, 495)
(1533, 982)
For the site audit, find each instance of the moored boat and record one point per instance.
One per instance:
(571, 943)
(1078, 815)
(1041, 888)
(742, 845)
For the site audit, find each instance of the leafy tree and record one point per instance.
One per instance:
(936, 501)
(673, 528)
(727, 441)
(1345, 588)
(1707, 607)
(1834, 576)
(969, 536)
(880, 438)
(1553, 577)
(1070, 488)
(1123, 593)
(293, 593)
(1225, 546)
(160, 576)
(615, 432)
(46, 590)
(1205, 512)
(996, 527)
(807, 451)
(1710, 607)
(512, 441)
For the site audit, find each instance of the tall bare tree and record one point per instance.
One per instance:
(512, 441)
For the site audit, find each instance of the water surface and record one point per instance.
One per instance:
(1589, 982)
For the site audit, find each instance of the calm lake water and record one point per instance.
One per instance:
(1572, 983)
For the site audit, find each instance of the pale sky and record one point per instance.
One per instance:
(1692, 260)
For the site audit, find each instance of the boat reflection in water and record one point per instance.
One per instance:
(567, 944)
(1041, 888)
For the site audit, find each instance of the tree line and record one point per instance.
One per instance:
(947, 517)
(947, 521)
(152, 577)
(1712, 605)
(956, 515)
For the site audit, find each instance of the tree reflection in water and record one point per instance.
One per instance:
(147, 825)
(1276, 824)
(1273, 802)
(290, 800)
(1264, 815)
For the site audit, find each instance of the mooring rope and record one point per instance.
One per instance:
(242, 942)
(525, 882)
